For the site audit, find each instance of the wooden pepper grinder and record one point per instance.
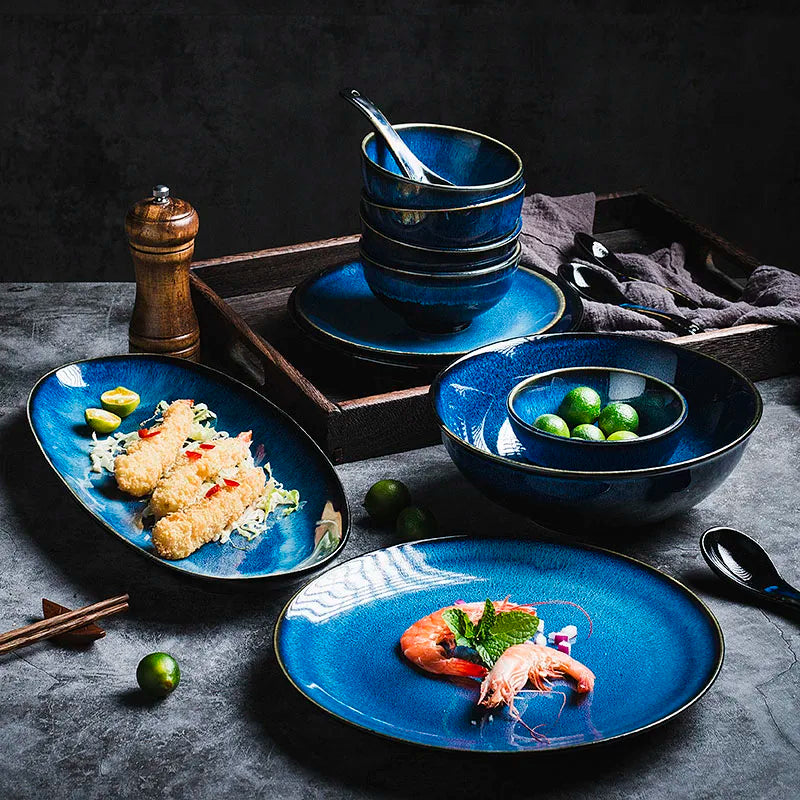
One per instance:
(161, 231)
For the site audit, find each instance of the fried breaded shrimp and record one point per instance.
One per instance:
(180, 486)
(139, 469)
(179, 534)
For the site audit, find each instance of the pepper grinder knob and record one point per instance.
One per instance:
(161, 230)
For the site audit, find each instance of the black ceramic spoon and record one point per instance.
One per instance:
(594, 285)
(411, 166)
(596, 252)
(738, 559)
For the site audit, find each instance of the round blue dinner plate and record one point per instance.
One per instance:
(337, 308)
(655, 648)
(289, 547)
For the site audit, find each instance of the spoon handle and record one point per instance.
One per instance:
(406, 160)
(784, 594)
(671, 321)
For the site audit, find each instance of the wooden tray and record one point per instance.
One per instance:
(357, 410)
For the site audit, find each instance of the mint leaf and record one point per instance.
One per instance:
(487, 656)
(461, 626)
(514, 627)
(486, 621)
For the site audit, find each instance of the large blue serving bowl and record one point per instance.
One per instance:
(416, 258)
(467, 226)
(480, 167)
(442, 302)
(469, 401)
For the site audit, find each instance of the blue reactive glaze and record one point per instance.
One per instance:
(654, 649)
(337, 308)
(467, 226)
(440, 302)
(414, 258)
(469, 400)
(55, 410)
(661, 409)
(480, 167)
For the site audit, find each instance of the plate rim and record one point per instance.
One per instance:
(272, 576)
(702, 606)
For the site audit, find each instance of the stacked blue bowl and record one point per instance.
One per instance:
(440, 255)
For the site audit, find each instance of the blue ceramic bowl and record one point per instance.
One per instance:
(442, 302)
(661, 409)
(415, 258)
(480, 167)
(481, 223)
(469, 401)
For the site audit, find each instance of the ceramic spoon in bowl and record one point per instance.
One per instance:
(410, 165)
(738, 559)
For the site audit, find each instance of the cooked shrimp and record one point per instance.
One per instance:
(181, 485)
(523, 662)
(180, 533)
(422, 644)
(139, 469)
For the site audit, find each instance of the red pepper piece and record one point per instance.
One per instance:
(144, 433)
(213, 490)
(206, 446)
(229, 482)
(193, 455)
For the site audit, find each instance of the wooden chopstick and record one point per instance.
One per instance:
(61, 623)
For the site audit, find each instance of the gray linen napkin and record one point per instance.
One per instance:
(771, 295)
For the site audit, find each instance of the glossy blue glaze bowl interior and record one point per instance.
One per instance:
(416, 258)
(469, 401)
(440, 302)
(660, 407)
(467, 226)
(481, 168)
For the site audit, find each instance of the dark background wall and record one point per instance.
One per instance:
(235, 106)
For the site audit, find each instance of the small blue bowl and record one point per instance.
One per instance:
(414, 258)
(480, 167)
(481, 223)
(661, 409)
(443, 302)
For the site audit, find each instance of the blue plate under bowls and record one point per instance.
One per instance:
(660, 407)
(415, 258)
(336, 308)
(287, 549)
(480, 167)
(440, 302)
(467, 226)
(655, 648)
(469, 401)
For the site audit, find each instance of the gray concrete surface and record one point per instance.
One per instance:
(72, 723)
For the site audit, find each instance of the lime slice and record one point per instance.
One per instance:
(386, 499)
(618, 417)
(101, 421)
(158, 674)
(621, 436)
(590, 433)
(551, 423)
(120, 401)
(580, 406)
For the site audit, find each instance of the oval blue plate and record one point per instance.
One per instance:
(55, 411)
(337, 308)
(655, 648)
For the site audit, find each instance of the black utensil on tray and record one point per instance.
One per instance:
(740, 560)
(594, 285)
(589, 248)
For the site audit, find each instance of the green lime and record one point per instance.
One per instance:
(590, 433)
(101, 421)
(551, 423)
(621, 436)
(120, 401)
(618, 417)
(386, 499)
(580, 406)
(416, 523)
(158, 674)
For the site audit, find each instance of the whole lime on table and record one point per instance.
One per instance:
(580, 406)
(158, 674)
(618, 417)
(622, 436)
(551, 423)
(589, 433)
(416, 523)
(386, 499)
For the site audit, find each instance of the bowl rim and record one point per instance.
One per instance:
(367, 200)
(451, 275)
(525, 383)
(555, 472)
(436, 187)
(482, 248)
